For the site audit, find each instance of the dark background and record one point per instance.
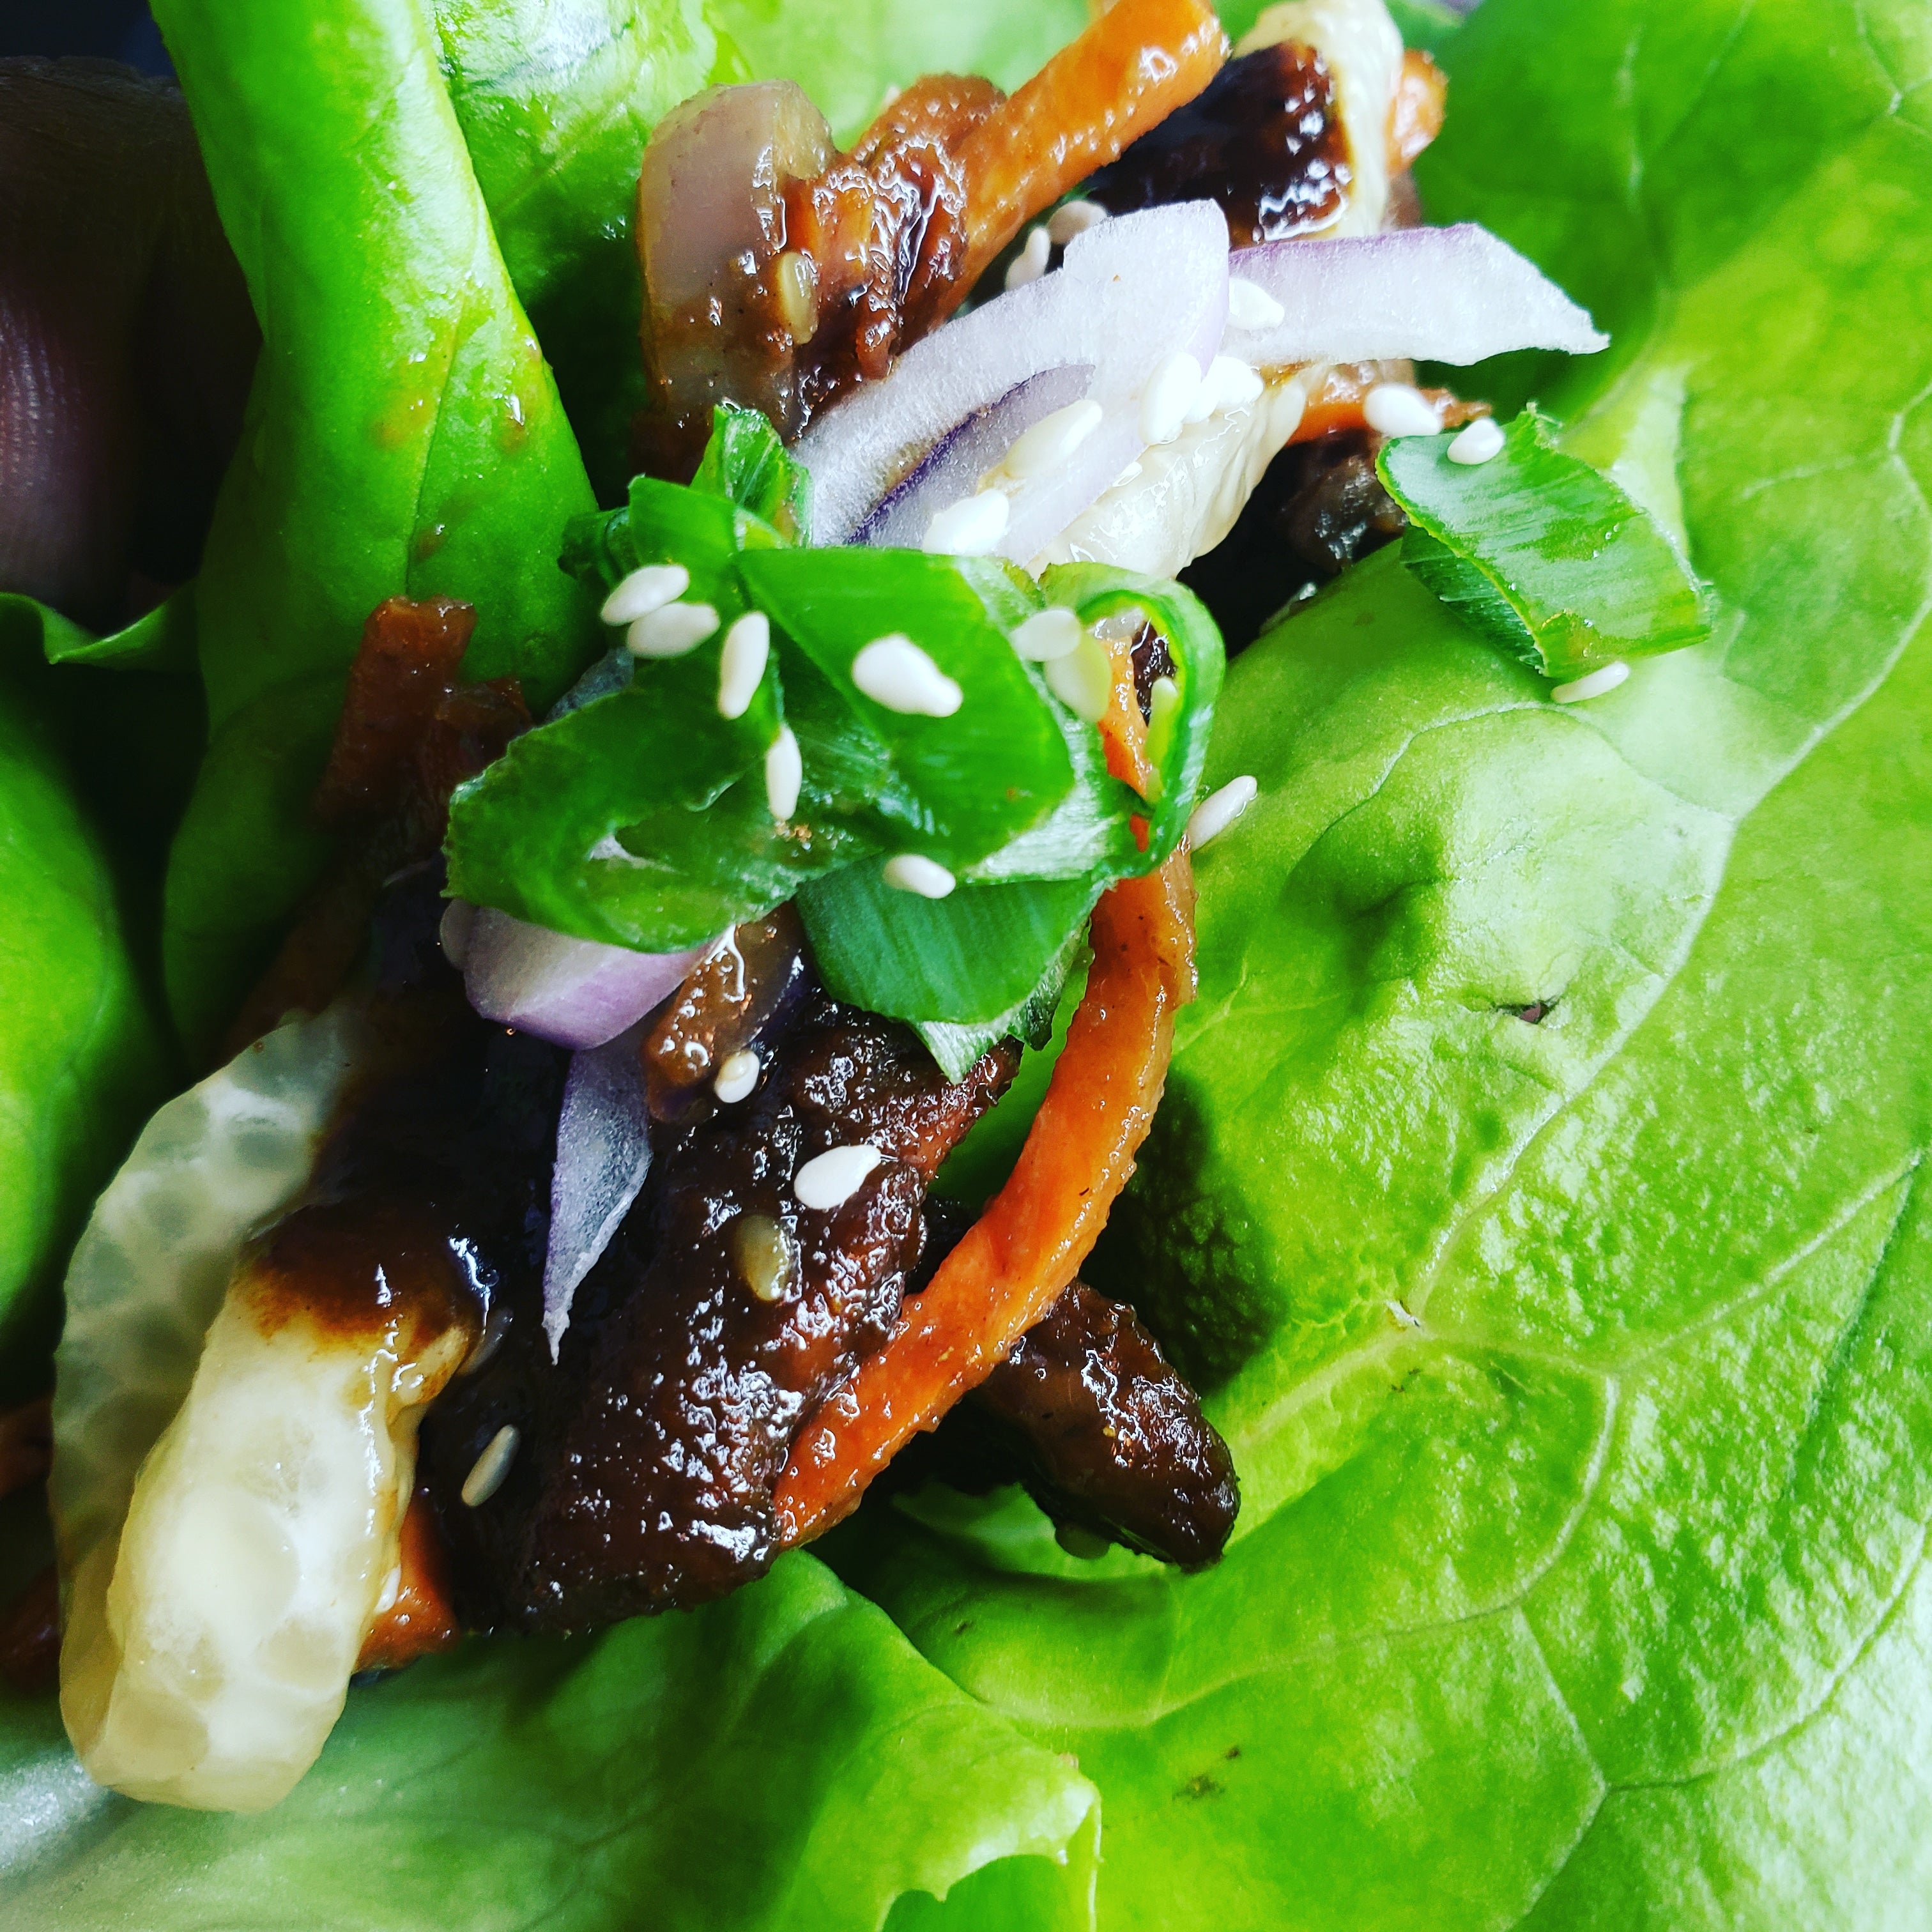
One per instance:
(119, 30)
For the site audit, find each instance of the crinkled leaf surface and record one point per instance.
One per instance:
(403, 436)
(556, 99)
(1579, 1371)
(781, 1759)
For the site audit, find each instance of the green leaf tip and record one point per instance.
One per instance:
(1541, 552)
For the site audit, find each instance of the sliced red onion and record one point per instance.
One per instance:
(952, 467)
(603, 1154)
(1443, 295)
(1131, 293)
(573, 992)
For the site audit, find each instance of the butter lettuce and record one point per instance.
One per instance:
(783, 1759)
(1540, 1187)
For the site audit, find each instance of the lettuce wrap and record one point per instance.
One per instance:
(1537, 1191)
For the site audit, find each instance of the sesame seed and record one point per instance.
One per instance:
(767, 1255)
(1169, 394)
(670, 632)
(650, 589)
(737, 1076)
(486, 1473)
(1030, 264)
(1083, 680)
(1592, 684)
(1217, 811)
(970, 527)
(1402, 1315)
(1052, 439)
(1250, 306)
(912, 872)
(893, 671)
(1126, 475)
(1048, 633)
(832, 1179)
(784, 772)
(795, 278)
(392, 1588)
(459, 919)
(1400, 409)
(1072, 218)
(1478, 441)
(1229, 384)
(741, 665)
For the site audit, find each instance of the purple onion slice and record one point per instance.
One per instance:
(1132, 293)
(1441, 295)
(603, 1154)
(574, 992)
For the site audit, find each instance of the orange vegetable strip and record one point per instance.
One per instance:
(1037, 1230)
(419, 1619)
(1415, 108)
(1128, 71)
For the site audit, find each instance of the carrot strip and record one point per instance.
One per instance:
(1035, 1233)
(1128, 70)
(419, 1619)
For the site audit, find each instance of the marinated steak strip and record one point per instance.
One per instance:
(1264, 140)
(723, 1312)
(1109, 1436)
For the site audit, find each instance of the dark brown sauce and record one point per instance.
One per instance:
(1264, 140)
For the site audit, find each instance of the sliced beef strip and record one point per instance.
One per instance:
(1103, 1430)
(1264, 140)
(721, 1315)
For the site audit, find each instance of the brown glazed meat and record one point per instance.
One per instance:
(1318, 507)
(1109, 1435)
(723, 1312)
(1264, 140)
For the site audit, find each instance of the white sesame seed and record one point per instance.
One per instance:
(834, 1177)
(486, 1475)
(737, 1076)
(784, 772)
(1476, 441)
(1250, 306)
(970, 527)
(1169, 394)
(741, 664)
(767, 1255)
(795, 279)
(893, 671)
(1048, 633)
(912, 872)
(392, 1588)
(670, 632)
(1400, 409)
(1592, 684)
(1229, 384)
(1126, 475)
(1030, 264)
(650, 589)
(1402, 1315)
(1219, 810)
(1072, 218)
(1052, 439)
(459, 919)
(1083, 680)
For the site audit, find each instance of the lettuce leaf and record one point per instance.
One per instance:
(1540, 1189)
(781, 1759)
(556, 98)
(403, 436)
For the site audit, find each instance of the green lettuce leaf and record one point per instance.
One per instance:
(846, 56)
(1540, 1189)
(1542, 552)
(82, 1053)
(556, 98)
(403, 436)
(783, 1759)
